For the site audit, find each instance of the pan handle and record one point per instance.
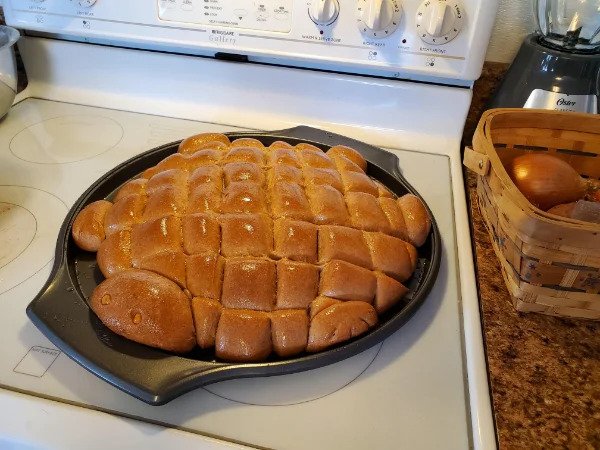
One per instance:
(60, 312)
(374, 155)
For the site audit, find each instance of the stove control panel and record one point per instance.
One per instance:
(264, 15)
(431, 40)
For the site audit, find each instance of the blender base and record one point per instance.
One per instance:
(547, 78)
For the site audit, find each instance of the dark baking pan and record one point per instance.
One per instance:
(154, 376)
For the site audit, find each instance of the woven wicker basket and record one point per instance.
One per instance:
(551, 265)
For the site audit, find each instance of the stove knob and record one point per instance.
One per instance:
(378, 18)
(324, 12)
(86, 3)
(439, 21)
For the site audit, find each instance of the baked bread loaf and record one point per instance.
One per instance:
(251, 250)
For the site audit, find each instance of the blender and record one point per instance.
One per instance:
(8, 68)
(558, 66)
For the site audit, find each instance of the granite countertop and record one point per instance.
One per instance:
(544, 371)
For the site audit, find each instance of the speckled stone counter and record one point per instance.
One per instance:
(544, 371)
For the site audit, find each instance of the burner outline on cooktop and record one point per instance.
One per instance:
(379, 347)
(32, 237)
(49, 261)
(111, 147)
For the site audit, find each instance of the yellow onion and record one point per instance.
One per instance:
(546, 180)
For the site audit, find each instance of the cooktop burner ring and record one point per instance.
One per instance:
(66, 139)
(31, 204)
(242, 390)
(4, 231)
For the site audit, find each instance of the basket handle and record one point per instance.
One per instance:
(476, 158)
(476, 161)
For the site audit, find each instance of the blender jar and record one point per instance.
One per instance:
(572, 25)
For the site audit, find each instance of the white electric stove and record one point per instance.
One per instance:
(108, 80)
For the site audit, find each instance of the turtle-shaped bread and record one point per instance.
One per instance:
(249, 249)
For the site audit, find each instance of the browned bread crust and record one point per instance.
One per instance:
(88, 227)
(146, 308)
(350, 153)
(251, 250)
(243, 335)
(416, 217)
(338, 323)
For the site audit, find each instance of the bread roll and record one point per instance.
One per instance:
(243, 197)
(246, 235)
(412, 253)
(243, 171)
(343, 164)
(316, 159)
(204, 158)
(280, 144)
(88, 227)
(146, 308)
(383, 192)
(155, 236)
(285, 156)
(245, 154)
(247, 142)
(203, 199)
(395, 218)
(289, 331)
(416, 217)
(346, 281)
(327, 205)
(288, 200)
(165, 202)
(201, 233)
(295, 240)
(208, 175)
(282, 173)
(564, 210)
(114, 254)
(204, 275)
(350, 153)
(338, 323)
(297, 284)
(249, 283)
(169, 264)
(390, 255)
(133, 187)
(305, 148)
(210, 146)
(175, 179)
(365, 212)
(243, 335)
(199, 141)
(359, 182)
(343, 243)
(325, 177)
(320, 303)
(207, 313)
(175, 161)
(388, 293)
(124, 214)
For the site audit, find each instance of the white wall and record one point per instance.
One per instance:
(513, 22)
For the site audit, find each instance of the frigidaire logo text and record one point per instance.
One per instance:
(222, 37)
